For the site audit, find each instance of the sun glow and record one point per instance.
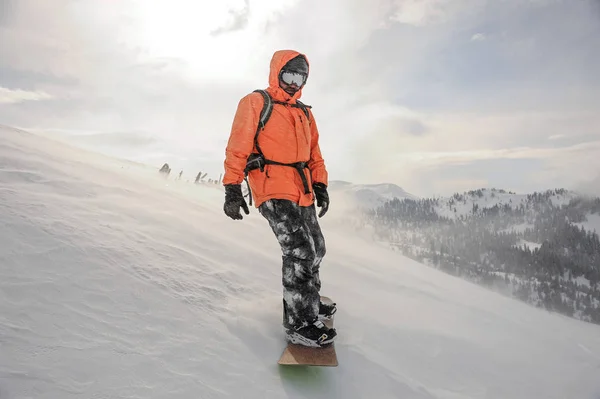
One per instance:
(210, 37)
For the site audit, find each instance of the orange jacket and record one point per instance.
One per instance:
(287, 137)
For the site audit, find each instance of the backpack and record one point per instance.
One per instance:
(258, 160)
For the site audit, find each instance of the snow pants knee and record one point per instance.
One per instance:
(303, 246)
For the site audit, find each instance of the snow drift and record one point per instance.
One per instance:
(117, 283)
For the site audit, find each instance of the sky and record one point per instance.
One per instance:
(437, 96)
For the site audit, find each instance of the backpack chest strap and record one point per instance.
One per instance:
(258, 161)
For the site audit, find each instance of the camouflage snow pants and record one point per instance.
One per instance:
(303, 246)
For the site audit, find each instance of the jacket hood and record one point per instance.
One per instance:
(278, 61)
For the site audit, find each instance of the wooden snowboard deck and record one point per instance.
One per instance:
(300, 355)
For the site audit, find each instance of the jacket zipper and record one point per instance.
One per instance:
(304, 130)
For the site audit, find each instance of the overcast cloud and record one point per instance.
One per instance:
(436, 96)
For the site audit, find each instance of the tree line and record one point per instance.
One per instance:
(530, 247)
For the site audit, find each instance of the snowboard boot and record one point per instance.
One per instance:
(326, 311)
(313, 335)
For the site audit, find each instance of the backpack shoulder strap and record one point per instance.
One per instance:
(299, 104)
(265, 114)
(304, 108)
(267, 109)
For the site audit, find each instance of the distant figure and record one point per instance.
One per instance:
(200, 177)
(180, 173)
(165, 169)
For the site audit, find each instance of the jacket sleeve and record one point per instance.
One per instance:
(316, 163)
(241, 139)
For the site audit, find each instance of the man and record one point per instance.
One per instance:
(283, 162)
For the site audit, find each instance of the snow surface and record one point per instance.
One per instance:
(582, 281)
(518, 228)
(117, 283)
(531, 245)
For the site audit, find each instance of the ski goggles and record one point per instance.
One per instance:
(296, 78)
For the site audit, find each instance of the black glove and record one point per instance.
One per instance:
(234, 199)
(320, 190)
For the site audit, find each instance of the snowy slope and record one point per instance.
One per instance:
(115, 283)
(452, 207)
(368, 195)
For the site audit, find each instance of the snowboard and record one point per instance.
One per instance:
(300, 355)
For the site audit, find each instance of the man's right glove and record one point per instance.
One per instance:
(320, 190)
(234, 200)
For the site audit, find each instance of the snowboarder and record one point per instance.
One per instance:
(274, 146)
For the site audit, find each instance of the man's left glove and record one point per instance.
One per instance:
(320, 190)
(234, 200)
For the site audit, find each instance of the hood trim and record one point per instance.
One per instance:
(278, 61)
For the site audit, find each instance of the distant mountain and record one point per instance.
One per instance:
(369, 196)
(482, 200)
(542, 248)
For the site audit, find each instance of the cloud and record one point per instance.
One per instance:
(414, 127)
(239, 20)
(398, 88)
(422, 13)
(478, 37)
(451, 185)
(8, 96)
(441, 158)
(589, 186)
(6, 10)
(557, 137)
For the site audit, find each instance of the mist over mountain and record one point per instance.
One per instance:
(366, 196)
(542, 248)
